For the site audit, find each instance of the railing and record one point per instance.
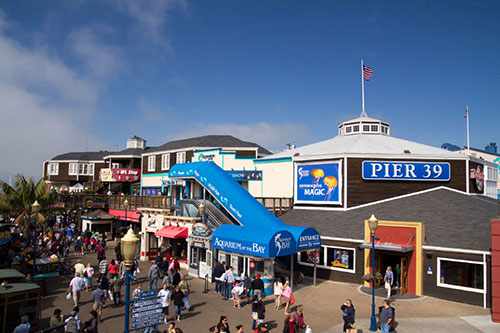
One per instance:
(277, 206)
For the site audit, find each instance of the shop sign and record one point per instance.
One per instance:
(478, 175)
(206, 157)
(245, 175)
(198, 244)
(201, 229)
(427, 171)
(95, 203)
(152, 224)
(318, 183)
(121, 175)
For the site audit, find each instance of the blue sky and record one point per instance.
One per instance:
(94, 73)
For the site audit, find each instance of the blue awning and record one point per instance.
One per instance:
(305, 237)
(263, 243)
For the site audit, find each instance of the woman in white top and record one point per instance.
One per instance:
(278, 290)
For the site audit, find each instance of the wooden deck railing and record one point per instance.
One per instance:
(277, 206)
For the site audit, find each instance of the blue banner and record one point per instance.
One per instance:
(318, 183)
(385, 170)
(245, 175)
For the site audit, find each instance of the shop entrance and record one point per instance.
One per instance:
(399, 265)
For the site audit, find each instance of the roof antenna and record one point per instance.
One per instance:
(87, 146)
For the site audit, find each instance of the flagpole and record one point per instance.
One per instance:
(363, 113)
(468, 138)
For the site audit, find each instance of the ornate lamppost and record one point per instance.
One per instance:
(373, 224)
(35, 209)
(129, 246)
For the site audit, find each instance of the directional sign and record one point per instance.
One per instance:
(147, 293)
(146, 324)
(146, 313)
(147, 318)
(141, 303)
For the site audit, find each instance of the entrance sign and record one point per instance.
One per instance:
(424, 171)
(318, 183)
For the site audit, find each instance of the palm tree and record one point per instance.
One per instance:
(18, 199)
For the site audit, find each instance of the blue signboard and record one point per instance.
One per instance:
(385, 170)
(245, 175)
(318, 183)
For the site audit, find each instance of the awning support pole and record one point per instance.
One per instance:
(314, 273)
(291, 270)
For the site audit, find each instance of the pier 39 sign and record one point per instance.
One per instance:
(426, 171)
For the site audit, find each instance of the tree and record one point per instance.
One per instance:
(18, 199)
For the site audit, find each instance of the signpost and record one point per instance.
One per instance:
(146, 311)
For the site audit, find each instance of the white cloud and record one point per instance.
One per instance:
(150, 112)
(102, 60)
(270, 136)
(46, 107)
(151, 16)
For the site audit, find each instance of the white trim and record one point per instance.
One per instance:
(194, 149)
(377, 156)
(485, 280)
(467, 175)
(382, 201)
(352, 240)
(152, 163)
(455, 250)
(165, 162)
(344, 201)
(451, 286)
(340, 183)
(77, 161)
(325, 256)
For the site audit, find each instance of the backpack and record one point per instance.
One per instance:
(299, 320)
(71, 325)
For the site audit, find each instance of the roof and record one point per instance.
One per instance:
(18, 287)
(10, 273)
(81, 156)
(98, 214)
(365, 144)
(210, 141)
(136, 152)
(452, 219)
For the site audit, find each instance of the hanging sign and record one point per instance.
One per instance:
(385, 170)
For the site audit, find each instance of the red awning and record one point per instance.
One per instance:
(172, 232)
(132, 216)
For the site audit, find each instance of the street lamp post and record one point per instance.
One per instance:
(129, 244)
(35, 209)
(373, 224)
(125, 204)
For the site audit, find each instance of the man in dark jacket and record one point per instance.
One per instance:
(258, 286)
(348, 314)
(218, 271)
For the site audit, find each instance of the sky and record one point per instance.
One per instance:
(87, 75)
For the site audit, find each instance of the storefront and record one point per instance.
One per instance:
(200, 251)
(98, 221)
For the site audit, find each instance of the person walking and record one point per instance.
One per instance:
(348, 314)
(386, 316)
(278, 290)
(103, 266)
(257, 286)
(186, 289)
(98, 297)
(218, 272)
(388, 279)
(178, 299)
(223, 325)
(237, 290)
(112, 269)
(79, 267)
(92, 323)
(229, 280)
(57, 320)
(165, 297)
(259, 308)
(288, 325)
(117, 291)
(288, 295)
(88, 273)
(75, 286)
(298, 321)
(153, 275)
(136, 294)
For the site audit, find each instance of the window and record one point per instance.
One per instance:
(53, 169)
(461, 274)
(73, 169)
(374, 128)
(151, 163)
(348, 129)
(83, 169)
(366, 128)
(115, 165)
(165, 161)
(331, 257)
(384, 129)
(181, 157)
(91, 169)
(355, 128)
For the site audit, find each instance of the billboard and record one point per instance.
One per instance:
(318, 183)
(390, 170)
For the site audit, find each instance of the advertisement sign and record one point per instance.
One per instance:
(318, 183)
(95, 203)
(384, 170)
(245, 175)
(120, 175)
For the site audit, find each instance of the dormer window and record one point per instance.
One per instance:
(355, 128)
(366, 128)
(374, 128)
(348, 129)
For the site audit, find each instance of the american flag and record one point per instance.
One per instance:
(367, 72)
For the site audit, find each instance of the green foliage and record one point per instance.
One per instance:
(18, 199)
